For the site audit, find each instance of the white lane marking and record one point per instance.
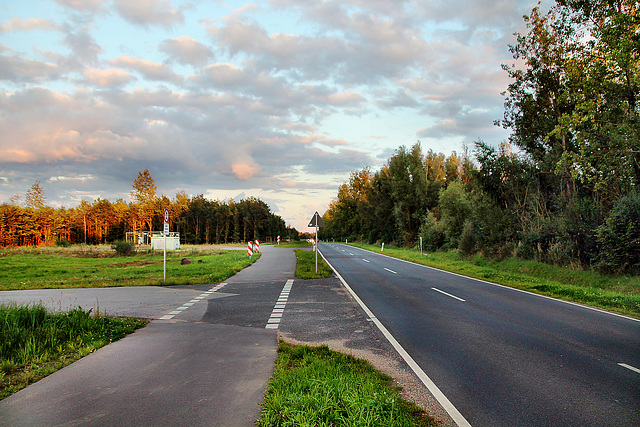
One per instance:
(508, 287)
(391, 271)
(433, 388)
(447, 294)
(365, 260)
(634, 369)
(186, 305)
(350, 254)
(278, 308)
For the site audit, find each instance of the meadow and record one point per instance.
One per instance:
(86, 266)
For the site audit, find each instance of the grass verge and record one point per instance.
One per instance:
(36, 343)
(315, 386)
(620, 294)
(80, 268)
(306, 265)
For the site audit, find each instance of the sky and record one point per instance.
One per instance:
(278, 99)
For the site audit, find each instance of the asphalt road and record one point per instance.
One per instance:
(502, 357)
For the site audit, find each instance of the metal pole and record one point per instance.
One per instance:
(316, 249)
(165, 257)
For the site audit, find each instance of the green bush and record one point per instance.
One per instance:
(62, 242)
(468, 239)
(619, 237)
(124, 248)
(433, 237)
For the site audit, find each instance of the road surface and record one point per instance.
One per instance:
(502, 357)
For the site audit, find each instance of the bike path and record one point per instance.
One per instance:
(180, 371)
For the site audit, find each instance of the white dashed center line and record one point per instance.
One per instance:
(391, 271)
(278, 309)
(447, 294)
(197, 299)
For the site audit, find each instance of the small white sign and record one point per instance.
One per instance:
(166, 228)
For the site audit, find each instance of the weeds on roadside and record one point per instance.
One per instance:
(306, 265)
(315, 386)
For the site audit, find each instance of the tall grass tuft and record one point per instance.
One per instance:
(33, 342)
(315, 386)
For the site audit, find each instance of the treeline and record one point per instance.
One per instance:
(565, 189)
(197, 219)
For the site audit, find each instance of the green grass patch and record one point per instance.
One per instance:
(36, 343)
(294, 244)
(306, 265)
(83, 268)
(620, 294)
(314, 386)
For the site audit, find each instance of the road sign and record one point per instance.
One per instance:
(166, 216)
(316, 221)
(166, 228)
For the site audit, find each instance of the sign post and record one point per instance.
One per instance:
(316, 222)
(165, 232)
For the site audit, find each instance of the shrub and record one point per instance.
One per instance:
(62, 242)
(433, 237)
(468, 239)
(619, 237)
(124, 248)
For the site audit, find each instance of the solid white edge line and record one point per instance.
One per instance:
(634, 369)
(506, 287)
(447, 294)
(431, 386)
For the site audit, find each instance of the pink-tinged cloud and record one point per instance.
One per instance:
(106, 78)
(29, 24)
(147, 13)
(186, 50)
(149, 69)
(82, 5)
(245, 171)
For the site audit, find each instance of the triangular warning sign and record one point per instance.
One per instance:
(316, 221)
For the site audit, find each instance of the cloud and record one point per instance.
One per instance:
(91, 6)
(147, 13)
(185, 50)
(245, 171)
(107, 78)
(150, 70)
(30, 24)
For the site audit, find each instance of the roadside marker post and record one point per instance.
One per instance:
(316, 222)
(250, 248)
(165, 232)
(256, 246)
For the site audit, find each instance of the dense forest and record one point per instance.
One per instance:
(565, 187)
(197, 219)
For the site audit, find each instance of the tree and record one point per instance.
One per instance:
(34, 198)
(144, 194)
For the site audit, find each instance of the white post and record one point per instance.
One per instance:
(420, 245)
(382, 247)
(316, 249)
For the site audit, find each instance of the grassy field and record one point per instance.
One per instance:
(620, 294)
(38, 268)
(314, 386)
(36, 343)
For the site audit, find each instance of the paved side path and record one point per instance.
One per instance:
(173, 372)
